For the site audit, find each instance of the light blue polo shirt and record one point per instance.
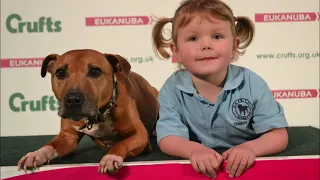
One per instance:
(244, 110)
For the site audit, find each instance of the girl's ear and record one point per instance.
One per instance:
(235, 46)
(175, 52)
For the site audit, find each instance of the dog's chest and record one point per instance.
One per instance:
(101, 130)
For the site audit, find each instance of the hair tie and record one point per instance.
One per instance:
(235, 18)
(171, 20)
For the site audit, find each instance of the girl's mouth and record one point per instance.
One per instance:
(207, 59)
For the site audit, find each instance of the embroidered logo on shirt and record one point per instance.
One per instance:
(242, 109)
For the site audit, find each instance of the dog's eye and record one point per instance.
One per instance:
(95, 72)
(61, 73)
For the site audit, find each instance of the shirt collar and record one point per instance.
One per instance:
(234, 79)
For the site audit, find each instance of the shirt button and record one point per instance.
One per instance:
(207, 105)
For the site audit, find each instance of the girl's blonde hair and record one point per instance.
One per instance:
(241, 26)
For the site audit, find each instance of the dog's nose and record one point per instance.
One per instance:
(74, 99)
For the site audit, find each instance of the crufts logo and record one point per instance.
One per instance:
(18, 103)
(15, 24)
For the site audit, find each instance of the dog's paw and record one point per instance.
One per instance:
(110, 163)
(34, 160)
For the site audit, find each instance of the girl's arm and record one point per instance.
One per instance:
(177, 146)
(271, 142)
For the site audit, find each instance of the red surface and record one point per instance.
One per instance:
(306, 169)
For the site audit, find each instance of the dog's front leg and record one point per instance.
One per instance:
(131, 146)
(64, 143)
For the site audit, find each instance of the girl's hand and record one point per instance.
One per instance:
(238, 159)
(206, 161)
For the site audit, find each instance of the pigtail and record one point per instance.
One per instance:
(159, 41)
(244, 31)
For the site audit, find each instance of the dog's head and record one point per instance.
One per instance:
(82, 80)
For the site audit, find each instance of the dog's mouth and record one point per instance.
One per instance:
(84, 111)
(76, 114)
(89, 113)
(76, 117)
(89, 119)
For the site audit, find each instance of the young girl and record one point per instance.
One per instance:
(211, 103)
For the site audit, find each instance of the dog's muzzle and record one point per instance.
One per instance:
(73, 106)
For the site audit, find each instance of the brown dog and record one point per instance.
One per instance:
(99, 96)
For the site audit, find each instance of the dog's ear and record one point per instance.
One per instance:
(47, 64)
(118, 63)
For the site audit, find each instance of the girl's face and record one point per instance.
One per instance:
(205, 46)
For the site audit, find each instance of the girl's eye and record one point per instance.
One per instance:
(217, 36)
(193, 38)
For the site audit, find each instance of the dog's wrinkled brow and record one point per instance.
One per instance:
(64, 66)
(90, 66)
